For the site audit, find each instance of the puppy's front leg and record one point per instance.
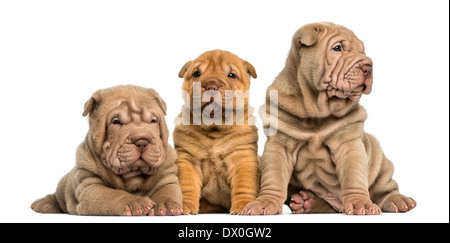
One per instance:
(275, 175)
(352, 166)
(95, 198)
(244, 179)
(167, 193)
(190, 177)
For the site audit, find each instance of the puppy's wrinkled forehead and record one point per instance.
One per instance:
(130, 110)
(340, 34)
(217, 62)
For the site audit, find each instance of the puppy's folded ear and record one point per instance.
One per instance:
(97, 125)
(307, 35)
(161, 103)
(184, 69)
(91, 105)
(250, 69)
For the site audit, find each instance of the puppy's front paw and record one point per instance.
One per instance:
(136, 206)
(190, 207)
(238, 207)
(168, 208)
(359, 205)
(47, 204)
(262, 207)
(398, 203)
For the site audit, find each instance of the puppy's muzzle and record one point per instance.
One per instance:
(212, 84)
(358, 74)
(138, 150)
(140, 139)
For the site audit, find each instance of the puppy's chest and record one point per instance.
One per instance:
(309, 140)
(215, 169)
(310, 153)
(313, 165)
(212, 159)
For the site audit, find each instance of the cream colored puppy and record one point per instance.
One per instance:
(125, 166)
(320, 144)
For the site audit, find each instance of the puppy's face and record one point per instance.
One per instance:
(335, 61)
(217, 72)
(128, 130)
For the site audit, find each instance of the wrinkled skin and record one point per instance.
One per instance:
(125, 166)
(348, 71)
(215, 73)
(133, 147)
(218, 164)
(320, 152)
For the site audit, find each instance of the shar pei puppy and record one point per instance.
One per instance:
(320, 146)
(125, 166)
(217, 158)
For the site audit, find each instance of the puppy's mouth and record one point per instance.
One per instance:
(212, 94)
(141, 172)
(352, 83)
(133, 169)
(130, 160)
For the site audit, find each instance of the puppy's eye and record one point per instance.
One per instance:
(337, 47)
(232, 75)
(197, 74)
(116, 121)
(154, 120)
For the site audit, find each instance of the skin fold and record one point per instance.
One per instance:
(125, 166)
(218, 164)
(320, 145)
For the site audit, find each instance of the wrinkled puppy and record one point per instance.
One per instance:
(125, 166)
(320, 144)
(217, 160)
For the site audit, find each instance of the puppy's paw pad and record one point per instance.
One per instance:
(302, 202)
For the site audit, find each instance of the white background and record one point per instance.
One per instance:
(55, 54)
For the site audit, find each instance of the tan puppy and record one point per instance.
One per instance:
(218, 163)
(320, 144)
(125, 165)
